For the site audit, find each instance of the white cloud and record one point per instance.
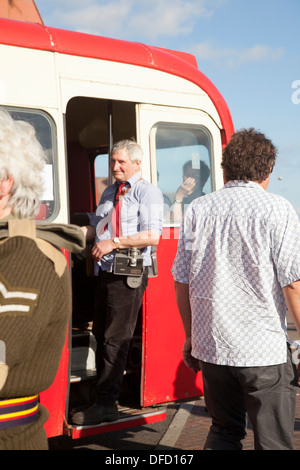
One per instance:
(170, 18)
(99, 19)
(129, 19)
(235, 57)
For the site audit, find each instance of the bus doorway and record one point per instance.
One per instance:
(92, 125)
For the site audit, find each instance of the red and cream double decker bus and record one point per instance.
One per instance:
(82, 93)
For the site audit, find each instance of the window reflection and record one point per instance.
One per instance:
(46, 134)
(183, 155)
(101, 175)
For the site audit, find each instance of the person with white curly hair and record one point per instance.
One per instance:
(22, 161)
(35, 292)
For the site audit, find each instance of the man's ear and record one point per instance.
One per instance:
(5, 186)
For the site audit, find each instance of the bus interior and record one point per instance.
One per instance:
(91, 127)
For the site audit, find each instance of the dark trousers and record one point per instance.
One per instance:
(116, 311)
(266, 394)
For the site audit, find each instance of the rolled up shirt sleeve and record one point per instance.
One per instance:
(286, 246)
(151, 209)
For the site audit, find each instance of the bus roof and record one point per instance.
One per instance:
(38, 36)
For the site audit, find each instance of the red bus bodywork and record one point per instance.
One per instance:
(165, 378)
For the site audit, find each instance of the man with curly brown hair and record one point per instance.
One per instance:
(236, 271)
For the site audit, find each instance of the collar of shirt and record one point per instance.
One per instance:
(131, 181)
(242, 184)
(134, 178)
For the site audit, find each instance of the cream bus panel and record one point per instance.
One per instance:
(97, 78)
(28, 78)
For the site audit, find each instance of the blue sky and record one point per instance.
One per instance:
(248, 48)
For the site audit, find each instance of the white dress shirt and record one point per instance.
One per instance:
(142, 209)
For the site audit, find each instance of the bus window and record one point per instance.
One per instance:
(183, 157)
(101, 175)
(46, 134)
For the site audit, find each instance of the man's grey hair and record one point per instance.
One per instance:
(134, 150)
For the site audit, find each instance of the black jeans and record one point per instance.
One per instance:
(266, 394)
(116, 311)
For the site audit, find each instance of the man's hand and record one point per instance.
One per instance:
(186, 188)
(102, 248)
(190, 361)
(292, 298)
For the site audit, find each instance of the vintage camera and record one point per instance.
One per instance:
(129, 263)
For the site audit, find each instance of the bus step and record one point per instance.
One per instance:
(81, 337)
(82, 375)
(128, 418)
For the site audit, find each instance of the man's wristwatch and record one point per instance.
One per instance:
(116, 241)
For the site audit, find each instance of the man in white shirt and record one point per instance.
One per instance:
(129, 216)
(236, 271)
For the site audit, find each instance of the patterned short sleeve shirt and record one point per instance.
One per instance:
(238, 248)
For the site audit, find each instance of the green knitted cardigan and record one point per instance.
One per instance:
(31, 262)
